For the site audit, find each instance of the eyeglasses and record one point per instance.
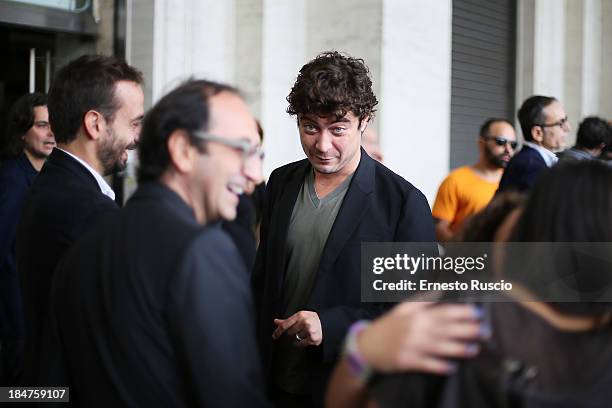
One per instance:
(563, 124)
(502, 141)
(247, 149)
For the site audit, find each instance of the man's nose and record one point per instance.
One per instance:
(323, 143)
(253, 170)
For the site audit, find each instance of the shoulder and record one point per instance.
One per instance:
(212, 244)
(283, 172)
(282, 176)
(213, 257)
(457, 176)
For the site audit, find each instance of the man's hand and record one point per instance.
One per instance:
(422, 336)
(303, 326)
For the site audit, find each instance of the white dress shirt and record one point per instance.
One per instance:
(104, 187)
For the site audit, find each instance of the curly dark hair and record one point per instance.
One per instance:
(333, 84)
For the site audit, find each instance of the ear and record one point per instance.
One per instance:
(364, 124)
(182, 153)
(94, 124)
(537, 134)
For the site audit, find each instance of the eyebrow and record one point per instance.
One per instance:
(310, 119)
(138, 118)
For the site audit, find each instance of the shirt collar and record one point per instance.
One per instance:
(104, 187)
(549, 157)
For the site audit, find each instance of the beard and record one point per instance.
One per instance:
(495, 159)
(110, 154)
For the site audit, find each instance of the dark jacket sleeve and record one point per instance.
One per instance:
(414, 225)
(210, 314)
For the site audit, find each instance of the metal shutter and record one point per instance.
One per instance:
(483, 71)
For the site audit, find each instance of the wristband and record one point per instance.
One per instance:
(358, 366)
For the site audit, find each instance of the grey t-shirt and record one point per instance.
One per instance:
(311, 221)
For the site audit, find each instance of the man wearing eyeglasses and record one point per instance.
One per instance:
(153, 308)
(545, 126)
(468, 189)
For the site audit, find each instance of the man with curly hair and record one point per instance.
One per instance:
(307, 279)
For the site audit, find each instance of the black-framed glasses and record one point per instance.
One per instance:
(247, 149)
(502, 141)
(561, 123)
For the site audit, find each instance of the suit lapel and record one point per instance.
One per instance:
(351, 212)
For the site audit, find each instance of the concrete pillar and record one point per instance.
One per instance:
(591, 57)
(605, 95)
(549, 48)
(416, 90)
(248, 58)
(562, 49)
(574, 64)
(171, 40)
(540, 48)
(283, 54)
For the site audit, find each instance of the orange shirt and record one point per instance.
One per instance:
(461, 194)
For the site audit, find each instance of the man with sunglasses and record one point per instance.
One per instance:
(468, 189)
(545, 126)
(153, 307)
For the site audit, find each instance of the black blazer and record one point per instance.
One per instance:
(150, 309)
(64, 202)
(379, 206)
(523, 170)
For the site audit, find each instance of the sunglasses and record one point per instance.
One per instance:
(502, 141)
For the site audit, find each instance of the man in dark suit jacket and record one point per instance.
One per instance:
(95, 109)
(545, 126)
(153, 307)
(307, 277)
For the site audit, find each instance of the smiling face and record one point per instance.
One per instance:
(331, 144)
(123, 132)
(223, 172)
(39, 140)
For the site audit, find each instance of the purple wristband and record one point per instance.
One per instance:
(357, 364)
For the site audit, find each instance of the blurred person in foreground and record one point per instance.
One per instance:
(29, 141)
(468, 189)
(153, 307)
(95, 110)
(540, 353)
